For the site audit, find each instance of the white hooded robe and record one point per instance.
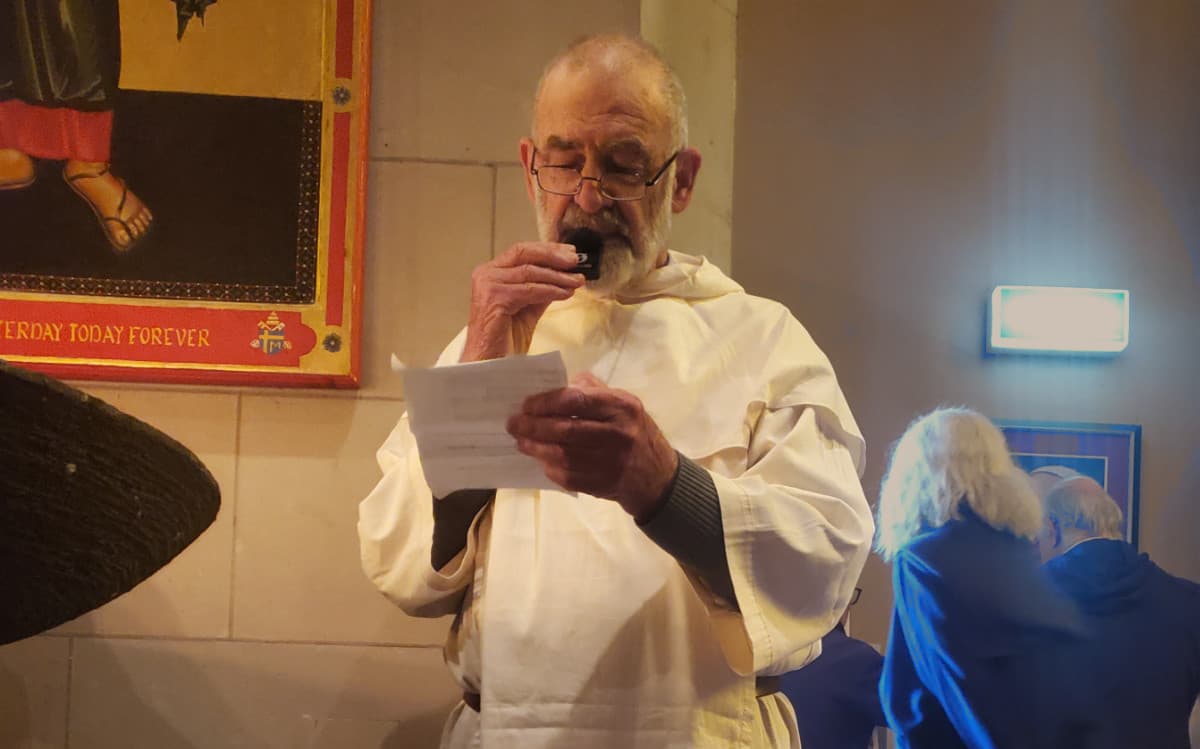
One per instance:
(579, 631)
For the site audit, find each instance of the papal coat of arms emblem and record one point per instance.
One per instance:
(272, 338)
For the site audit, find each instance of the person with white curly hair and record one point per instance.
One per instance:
(973, 617)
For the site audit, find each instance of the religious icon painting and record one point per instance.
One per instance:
(182, 188)
(1108, 453)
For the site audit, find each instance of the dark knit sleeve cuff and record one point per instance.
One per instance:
(687, 525)
(452, 518)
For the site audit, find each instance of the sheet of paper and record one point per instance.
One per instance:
(458, 413)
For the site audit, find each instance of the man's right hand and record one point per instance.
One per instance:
(509, 294)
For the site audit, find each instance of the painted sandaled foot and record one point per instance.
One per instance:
(16, 169)
(123, 217)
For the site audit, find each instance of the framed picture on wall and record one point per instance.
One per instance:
(185, 203)
(1108, 453)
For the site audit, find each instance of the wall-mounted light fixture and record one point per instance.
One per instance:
(1057, 320)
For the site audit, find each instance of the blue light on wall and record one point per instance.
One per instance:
(1057, 320)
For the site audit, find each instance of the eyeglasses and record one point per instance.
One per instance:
(855, 596)
(620, 184)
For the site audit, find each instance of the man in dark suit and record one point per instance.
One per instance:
(836, 697)
(1142, 659)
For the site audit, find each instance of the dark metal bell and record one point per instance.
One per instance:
(92, 502)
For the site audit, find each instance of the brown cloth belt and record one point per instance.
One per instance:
(472, 700)
(763, 687)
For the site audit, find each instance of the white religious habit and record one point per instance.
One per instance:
(573, 626)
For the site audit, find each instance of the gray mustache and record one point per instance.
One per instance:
(605, 222)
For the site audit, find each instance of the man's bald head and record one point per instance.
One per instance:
(627, 58)
(1080, 506)
(1046, 478)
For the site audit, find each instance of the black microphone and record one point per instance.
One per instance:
(588, 247)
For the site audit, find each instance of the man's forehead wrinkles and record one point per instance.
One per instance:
(578, 110)
(617, 128)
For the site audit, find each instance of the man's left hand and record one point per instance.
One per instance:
(594, 439)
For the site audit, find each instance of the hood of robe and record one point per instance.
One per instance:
(1102, 575)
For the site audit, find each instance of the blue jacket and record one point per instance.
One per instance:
(836, 697)
(1143, 656)
(973, 619)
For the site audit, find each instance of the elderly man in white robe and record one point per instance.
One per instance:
(711, 523)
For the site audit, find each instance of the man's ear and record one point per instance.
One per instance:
(1055, 532)
(527, 162)
(687, 166)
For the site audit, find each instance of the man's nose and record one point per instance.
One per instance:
(589, 198)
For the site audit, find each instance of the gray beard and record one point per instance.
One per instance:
(626, 260)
